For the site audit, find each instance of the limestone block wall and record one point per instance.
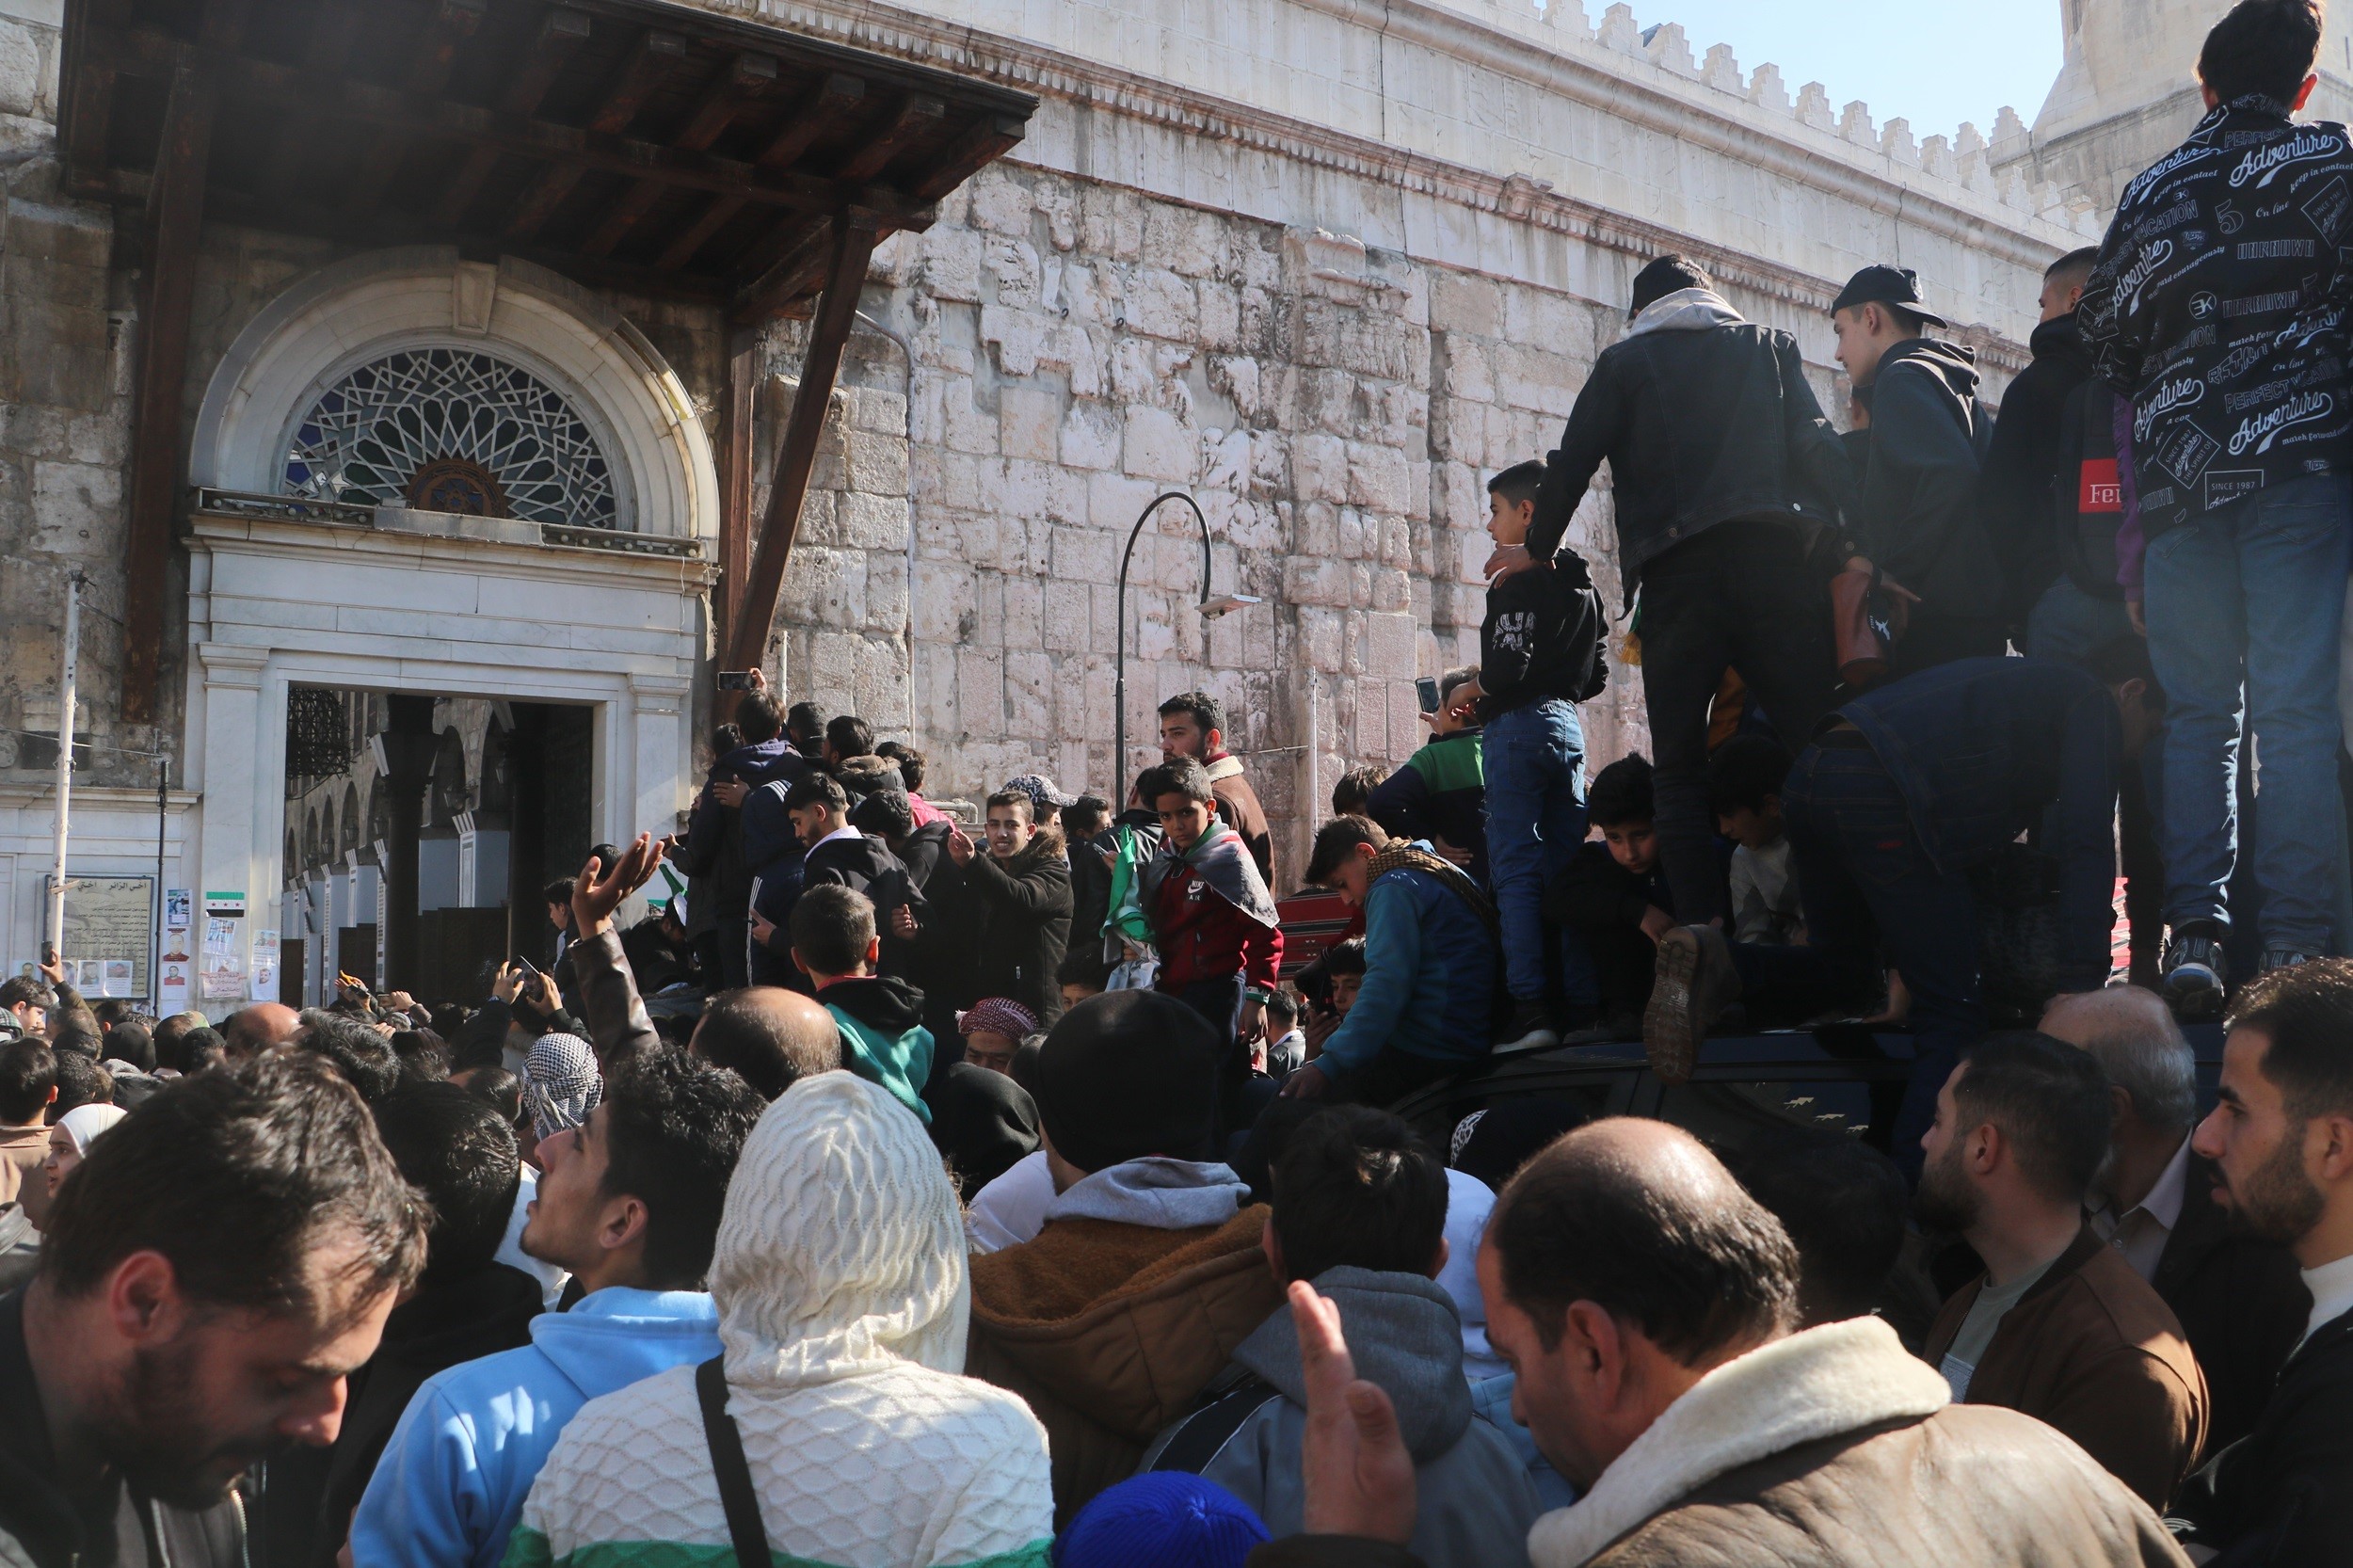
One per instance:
(64, 395)
(1327, 278)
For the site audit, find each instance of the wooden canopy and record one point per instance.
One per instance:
(649, 146)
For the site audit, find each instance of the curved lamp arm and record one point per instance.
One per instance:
(1119, 680)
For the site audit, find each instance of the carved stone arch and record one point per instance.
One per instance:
(311, 854)
(379, 822)
(448, 794)
(350, 836)
(494, 793)
(372, 305)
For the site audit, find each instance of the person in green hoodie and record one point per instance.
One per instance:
(883, 1039)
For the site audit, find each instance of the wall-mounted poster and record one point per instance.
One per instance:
(109, 919)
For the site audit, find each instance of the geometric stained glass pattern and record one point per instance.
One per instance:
(471, 425)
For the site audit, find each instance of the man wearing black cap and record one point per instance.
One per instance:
(1727, 478)
(1148, 1273)
(1917, 515)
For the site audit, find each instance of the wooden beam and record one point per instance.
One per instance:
(647, 65)
(836, 96)
(86, 90)
(157, 457)
(429, 68)
(748, 76)
(803, 264)
(146, 53)
(454, 21)
(561, 32)
(334, 24)
(989, 139)
(856, 232)
(379, 228)
(737, 405)
(919, 114)
(692, 238)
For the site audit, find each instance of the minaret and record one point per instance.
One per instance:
(2127, 93)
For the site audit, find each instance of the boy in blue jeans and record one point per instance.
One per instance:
(1540, 654)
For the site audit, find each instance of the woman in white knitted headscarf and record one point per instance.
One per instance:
(72, 1137)
(839, 1277)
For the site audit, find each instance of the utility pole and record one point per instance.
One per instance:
(55, 924)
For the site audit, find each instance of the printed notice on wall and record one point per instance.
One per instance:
(265, 965)
(178, 963)
(109, 932)
(224, 949)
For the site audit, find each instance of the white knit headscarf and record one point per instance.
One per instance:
(842, 1247)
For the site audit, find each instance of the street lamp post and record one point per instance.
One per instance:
(1210, 608)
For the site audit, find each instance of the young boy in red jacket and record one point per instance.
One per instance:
(1211, 916)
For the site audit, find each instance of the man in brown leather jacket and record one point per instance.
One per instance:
(1644, 1302)
(2058, 1326)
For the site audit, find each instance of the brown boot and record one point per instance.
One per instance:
(1694, 983)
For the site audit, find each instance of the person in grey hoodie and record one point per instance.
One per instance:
(1917, 521)
(1360, 1208)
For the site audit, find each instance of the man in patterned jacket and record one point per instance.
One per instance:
(2218, 307)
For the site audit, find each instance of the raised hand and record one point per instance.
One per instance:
(600, 888)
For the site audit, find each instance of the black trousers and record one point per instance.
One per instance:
(1741, 596)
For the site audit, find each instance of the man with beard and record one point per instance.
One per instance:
(2058, 1326)
(2281, 1143)
(214, 1272)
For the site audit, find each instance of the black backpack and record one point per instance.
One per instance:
(2088, 505)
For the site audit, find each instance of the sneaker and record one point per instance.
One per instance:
(2285, 958)
(1532, 1028)
(2195, 974)
(1693, 986)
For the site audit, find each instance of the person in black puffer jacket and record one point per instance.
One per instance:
(1017, 906)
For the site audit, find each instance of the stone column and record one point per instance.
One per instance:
(233, 746)
(410, 745)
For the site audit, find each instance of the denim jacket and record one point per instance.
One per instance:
(1981, 748)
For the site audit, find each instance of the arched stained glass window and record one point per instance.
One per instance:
(452, 430)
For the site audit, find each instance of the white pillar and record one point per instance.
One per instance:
(235, 773)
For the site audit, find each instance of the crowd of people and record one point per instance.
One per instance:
(1026, 1182)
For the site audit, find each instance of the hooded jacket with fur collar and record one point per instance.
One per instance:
(1120, 1311)
(840, 1278)
(1837, 1449)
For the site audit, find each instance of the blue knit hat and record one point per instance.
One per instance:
(1161, 1519)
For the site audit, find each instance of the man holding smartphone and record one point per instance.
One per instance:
(1441, 793)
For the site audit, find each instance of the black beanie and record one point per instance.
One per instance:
(1129, 1074)
(983, 1122)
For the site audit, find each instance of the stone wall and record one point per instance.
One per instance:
(1196, 274)
(1323, 270)
(64, 401)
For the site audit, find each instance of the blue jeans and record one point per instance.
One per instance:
(1535, 765)
(2070, 625)
(1864, 877)
(2244, 608)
